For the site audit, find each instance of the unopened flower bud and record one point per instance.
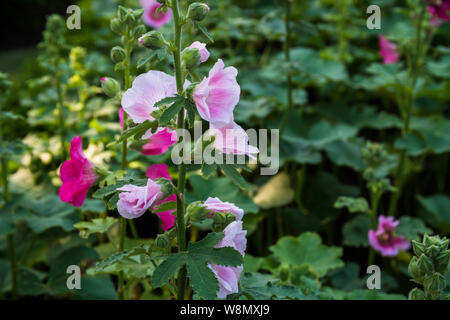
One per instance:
(153, 40)
(190, 58)
(425, 264)
(167, 187)
(118, 54)
(435, 282)
(116, 26)
(122, 14)
(138, 14)
(138, 31)
(197, 212)
(416, 294)
(110, 86)
(418, 248)
(198, 11)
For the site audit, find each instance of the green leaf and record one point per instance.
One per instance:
(308, 249)
(438, 205)
(100, 225)
(352, 204)
(166, 206)
(232, 173)
(208, 170)
(412, 228)
(30, 282)
(197, 257)
(167, 101)
(103, 266)
(170, 113)
(136, 131)
(355, 232)
(205, 31)
(190, 108)
(146, 58)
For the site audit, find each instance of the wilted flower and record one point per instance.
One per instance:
(384, 240)
(160, 171)
(228, 277)
(232, 139)
(77, 175)
(217, 95)
(153, 17)
(388, 50)
(217, 205)
(134, 200)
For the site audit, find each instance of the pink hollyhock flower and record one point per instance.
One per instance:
(77, 175)
(439, 11)
(121, 117)
(384, 240)
(217, 95)
(204, 53)
(232, 139)
(217, 205)
(152, 17)
(388, 50)
(134, 201)
(228, 277)
(160, 171)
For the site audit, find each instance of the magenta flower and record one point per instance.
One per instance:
(439, 11)
(159, 141)
(228, 277)
(383, 239)
(152, 17)
(121, 117)
(160, 171)
(77, 175)
(204, 53)
(217, 205)
(388, 50)
(217, 95)
(232, 139)
(134, 201)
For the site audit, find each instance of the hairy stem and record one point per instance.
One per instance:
(180, 223)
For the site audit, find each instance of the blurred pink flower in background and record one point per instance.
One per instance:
(152, 17)
(383, 239)
(204, 53)
(134, 201)
(228, 277)
(77, 175)
(388, 50)
(218, 94)
(156, 171)
(439, 11)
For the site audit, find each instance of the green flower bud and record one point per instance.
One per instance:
(432, 251)
(190, 58)
(442, 261)
(153, 40)
(167, 186)
(138, 31)
(415, 271)
(116, 26)
(137, 14)
(162, 241)
(110, 86)
(283, 274)
(425, 264)
(118, 54)
(435, 282)
(416, 294)
(419, 248)
(197, 211)
(198, 11)
(122, 13)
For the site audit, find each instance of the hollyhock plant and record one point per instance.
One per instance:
(204, 53)
(160, 171)
(217, 205)
(77, 175)
(232, 139)
(159, 142)
(134, 200)
(152, 16)
(384, 240)
(388, 50)
(217, 95)
(228, 277)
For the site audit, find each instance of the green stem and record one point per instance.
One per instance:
(180, 223)
(413, 74)
(287, 48)
(60, 106)
(375, 199)
(11, 251)
(123, 165)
